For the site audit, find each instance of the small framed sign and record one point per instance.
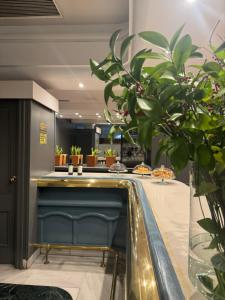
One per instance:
(43, 133)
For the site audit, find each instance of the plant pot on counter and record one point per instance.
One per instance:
(110, 160)
(64, 159)
(92, 160)
(76, 158)
(58, 159)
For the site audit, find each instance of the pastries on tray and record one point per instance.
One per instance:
(142, 169)
(164, 173)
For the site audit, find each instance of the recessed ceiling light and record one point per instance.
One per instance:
(56, 113)
(76, 114)
(97, 114)
(81, 85)
(61, 116)
(80, 116)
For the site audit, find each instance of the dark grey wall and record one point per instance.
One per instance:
(41, 160)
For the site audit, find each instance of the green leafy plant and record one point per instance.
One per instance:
(58, 150)
(95, 151)
(110, 152)
(74, 150)
(185, 109)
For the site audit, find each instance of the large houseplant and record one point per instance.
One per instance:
(186, 110)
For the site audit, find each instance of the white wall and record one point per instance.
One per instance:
(168, 15)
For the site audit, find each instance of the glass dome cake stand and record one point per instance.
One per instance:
(163, 174)
(142, 169)
(117, 168)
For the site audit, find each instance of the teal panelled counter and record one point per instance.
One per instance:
(127, 213)
(82, 216)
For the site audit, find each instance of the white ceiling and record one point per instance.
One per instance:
(80, 12)
(55, 52)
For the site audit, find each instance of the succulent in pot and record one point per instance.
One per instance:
(187, 111)
(92, 159)
(75, 155)
(58, 156)
(110, 157)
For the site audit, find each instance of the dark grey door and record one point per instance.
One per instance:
(8, 135)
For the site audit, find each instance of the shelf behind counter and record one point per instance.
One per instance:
(97, 169)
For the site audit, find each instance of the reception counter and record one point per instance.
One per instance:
(157, 234)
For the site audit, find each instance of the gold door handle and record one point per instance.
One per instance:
(12, 179)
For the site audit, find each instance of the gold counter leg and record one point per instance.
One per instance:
(47, 250)
(103, 259)
(113, 288)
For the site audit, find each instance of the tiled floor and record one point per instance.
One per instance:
(81, 276)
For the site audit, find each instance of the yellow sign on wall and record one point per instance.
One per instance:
(43, 133)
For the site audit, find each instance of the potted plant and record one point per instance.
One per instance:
(58, 156)
(76, 155)
(187, 111)
(92, 159)
(110, 157)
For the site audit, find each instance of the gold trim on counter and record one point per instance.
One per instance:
(141, 281)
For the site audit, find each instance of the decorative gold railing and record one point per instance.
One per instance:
(141, 283)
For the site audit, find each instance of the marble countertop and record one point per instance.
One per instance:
(170, 205)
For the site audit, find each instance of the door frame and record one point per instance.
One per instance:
(23, 182)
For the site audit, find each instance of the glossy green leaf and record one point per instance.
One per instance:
(151, 108)
(155, 38)
(152, 55)
(131, 101)
(179, 153)
(206, 281)
(214, 243)
(98, 72)
(196, 55)
(145, 131)
(128, 137)
(162, 149)
(169, 91)
(113, 69)
(175, 116)
(211, 67)
(204, 155)
(206, 188)
(125, 44)
(220, 48)
(108, 92)
(218, 262)
(136, 64)
(107, 115)
(209, 225)
(175, 37)
(158, 70)
(182, 51)
(112, 42)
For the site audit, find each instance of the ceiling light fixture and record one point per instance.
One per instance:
(61, 116)
(76, 114)
(97, 114)
(81, 85)
(80, 116)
